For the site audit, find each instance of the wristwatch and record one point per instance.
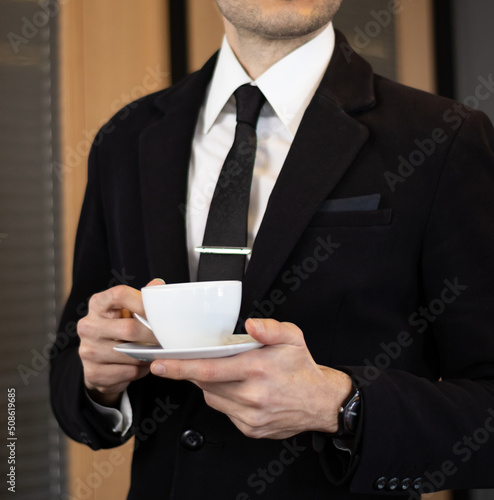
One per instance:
(348, 416)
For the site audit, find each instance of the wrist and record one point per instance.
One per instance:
(345, 394)
(110, 400)
(337, 393)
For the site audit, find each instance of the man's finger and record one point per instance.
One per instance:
(272, 332)
(114, 374)
(120, 297)
(116, 298)
(156, 282)
(108, 357)
(120, 330)
(235, 368)
(231, 369)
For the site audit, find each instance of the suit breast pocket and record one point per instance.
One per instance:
(364, 218)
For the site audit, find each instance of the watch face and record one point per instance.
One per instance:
(351, 414)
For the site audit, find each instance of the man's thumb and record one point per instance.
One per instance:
(272, 332)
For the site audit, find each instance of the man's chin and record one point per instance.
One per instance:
(286, 21)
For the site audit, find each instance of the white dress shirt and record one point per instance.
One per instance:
(288, 86)
(287, 93)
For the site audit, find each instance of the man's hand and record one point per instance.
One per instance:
(109, 322)
(273, 392)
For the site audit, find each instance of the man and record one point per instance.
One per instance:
(372, 218)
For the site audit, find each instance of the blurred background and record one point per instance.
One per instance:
(66, 66)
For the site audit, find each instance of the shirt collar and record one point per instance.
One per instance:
(287, 91)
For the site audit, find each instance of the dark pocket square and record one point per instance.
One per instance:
(355, 204)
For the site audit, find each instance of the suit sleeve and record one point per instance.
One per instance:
(79, 419)
(420, 435)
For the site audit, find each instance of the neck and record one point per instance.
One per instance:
(257, 54)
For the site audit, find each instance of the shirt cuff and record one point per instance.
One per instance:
(120, 419)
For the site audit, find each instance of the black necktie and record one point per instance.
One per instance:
(225, 238)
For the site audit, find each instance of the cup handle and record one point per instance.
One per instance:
(142, 320)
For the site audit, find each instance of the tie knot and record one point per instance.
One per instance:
(249, 103)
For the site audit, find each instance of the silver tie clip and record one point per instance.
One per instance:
(224, 250)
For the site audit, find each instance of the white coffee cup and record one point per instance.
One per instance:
(187, 315)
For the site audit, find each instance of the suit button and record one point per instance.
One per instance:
(405, 484)
(393, 484)
(417, 484)
(192, 440)
(381, 483)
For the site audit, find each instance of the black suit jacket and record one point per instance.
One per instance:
(399, 296)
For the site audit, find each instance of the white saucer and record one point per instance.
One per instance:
(236, 344)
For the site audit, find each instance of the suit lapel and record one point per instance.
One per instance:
(327, 142)
(164, 155)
